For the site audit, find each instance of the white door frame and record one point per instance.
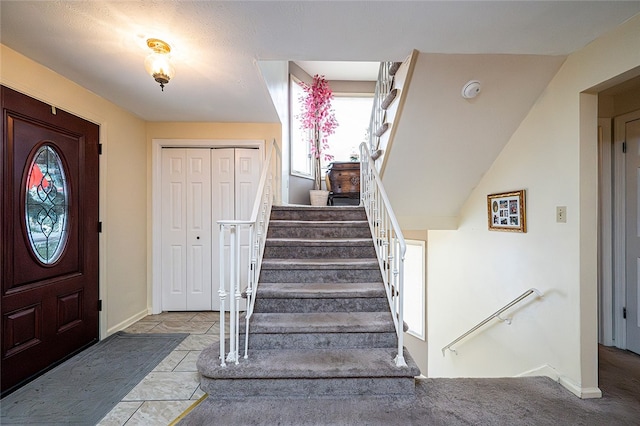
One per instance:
(605, 234)
(613, 293)
(154, 283)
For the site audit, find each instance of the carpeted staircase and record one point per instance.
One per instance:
(322, 324)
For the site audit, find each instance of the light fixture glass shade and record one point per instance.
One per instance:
(158, 65)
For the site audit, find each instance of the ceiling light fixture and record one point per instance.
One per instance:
(158, 63)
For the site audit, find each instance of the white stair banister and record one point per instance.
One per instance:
(388, 240)
(257, 225)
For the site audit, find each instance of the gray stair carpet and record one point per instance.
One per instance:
(322, 326)
(531, 401)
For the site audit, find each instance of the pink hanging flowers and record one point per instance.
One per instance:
(318, 117)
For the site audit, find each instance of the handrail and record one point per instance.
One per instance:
(384, 83)
(388, 240)
(490, 317)
(258, 226)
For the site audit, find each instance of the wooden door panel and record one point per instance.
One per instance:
(49, 305)
(27, 270)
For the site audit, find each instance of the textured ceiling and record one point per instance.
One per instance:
(216, 44)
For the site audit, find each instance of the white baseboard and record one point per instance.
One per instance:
(548, 371)
(544, 370)
(580, 392)
(126, 323)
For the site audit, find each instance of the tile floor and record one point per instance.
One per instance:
(173, 385)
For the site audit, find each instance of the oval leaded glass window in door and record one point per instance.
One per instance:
(47, 205)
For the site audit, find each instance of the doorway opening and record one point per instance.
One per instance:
(619, 233)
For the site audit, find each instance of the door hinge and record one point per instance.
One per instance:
(99, 149)
(99, 305)
(624, 313)
(99, 227)
(624, 147)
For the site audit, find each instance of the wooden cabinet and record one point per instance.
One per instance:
(344, 182)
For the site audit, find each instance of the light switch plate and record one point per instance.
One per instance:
(561, 214)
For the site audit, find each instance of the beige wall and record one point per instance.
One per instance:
(619, 103)
(123, 190)
(124, 179)
(472, 271)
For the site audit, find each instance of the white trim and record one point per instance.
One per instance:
(154, 282)
(605, 249)
(544, 370)
(127, 322)
(577, 390)
(422, 245)
(619, 229)
(293, 102)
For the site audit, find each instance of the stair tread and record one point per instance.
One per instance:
(317, 223)
(321, 322)
(351, 263)
(303, 207)
(305, 364)
(319, 290)
(320, 241)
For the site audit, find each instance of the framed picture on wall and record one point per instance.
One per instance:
(507, 211)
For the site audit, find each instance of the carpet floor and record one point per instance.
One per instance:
(83, 389)
(504, 401)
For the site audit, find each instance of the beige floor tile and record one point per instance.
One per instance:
(207, 317)
(189, 362)
(182, 327)
(120, 414)
(165, 386)
(171, 361)
(198, 394)
(171, 316)
(197, 342)
(141, 327)
(158, 412)
(215, 329)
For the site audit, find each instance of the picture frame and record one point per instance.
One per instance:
(507, 211)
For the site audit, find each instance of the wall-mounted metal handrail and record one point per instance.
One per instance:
(388, 240)
(495, 315)
(257, 226)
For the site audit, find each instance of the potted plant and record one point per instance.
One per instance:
(318, 117)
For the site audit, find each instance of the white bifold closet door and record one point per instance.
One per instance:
(199, 187)
(236, 174)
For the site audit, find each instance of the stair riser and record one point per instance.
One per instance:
(329, 251)
(320, 340)
(276, 231)
(246, 388)
(369, 304)
(320, 275)
(318, 214)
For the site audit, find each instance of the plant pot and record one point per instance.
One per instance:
(318, 197)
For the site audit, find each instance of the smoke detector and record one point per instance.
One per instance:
(471, 89)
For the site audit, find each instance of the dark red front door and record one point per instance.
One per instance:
(49, 234)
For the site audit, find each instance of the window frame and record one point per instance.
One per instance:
(294, 130)
(421, 333)
(353, 95)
